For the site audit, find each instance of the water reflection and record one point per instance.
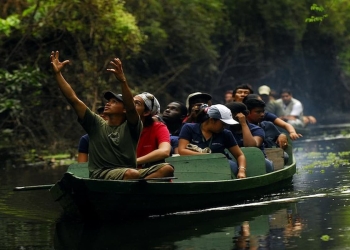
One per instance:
(207, 230)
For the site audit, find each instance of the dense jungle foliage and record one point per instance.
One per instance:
(168, 47)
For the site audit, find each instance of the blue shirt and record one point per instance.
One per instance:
(84, 144)
(271, 134)
(217, 143)
(270, 117)
(255, 130)
(174, 142)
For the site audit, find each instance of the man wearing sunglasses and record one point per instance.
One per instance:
(112, 143)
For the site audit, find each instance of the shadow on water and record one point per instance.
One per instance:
(201, 230)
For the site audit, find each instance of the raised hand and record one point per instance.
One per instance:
(241, 118)
(282, 141)
(117, 70)
(57, 66)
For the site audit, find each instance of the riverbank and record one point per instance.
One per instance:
(10, 159)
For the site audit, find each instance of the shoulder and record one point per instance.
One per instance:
(160, 127)
(88, 117)
(252, 126)
(255, 129)
(190, 129)
(227, 134)
(138, 125)
(266, 124)
(269, 116)
(191, 126)
(278, 101)
(84, 138)
(296, 101)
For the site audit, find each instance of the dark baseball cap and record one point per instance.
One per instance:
(109, 94)
(100, 109)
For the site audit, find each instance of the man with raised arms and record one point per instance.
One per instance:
(112, 148)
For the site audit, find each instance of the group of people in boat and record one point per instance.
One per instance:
(128, 138)
(284, 106)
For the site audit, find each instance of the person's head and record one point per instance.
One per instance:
(273, 95)
(251, 96)
(237, 107)
(174, 112)
(216, 117)
(256, 109)
(286, 96)
(197, 98)
(228, 96)
(147, 106)
(100, 112)
(241, 91)
(114, 105)
(264, 91)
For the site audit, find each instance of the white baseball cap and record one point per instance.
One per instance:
(221, 112)
(264, 90)
(205, 96)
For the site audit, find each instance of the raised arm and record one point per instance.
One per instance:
(248, 139)
(68, 92)
(128, 100)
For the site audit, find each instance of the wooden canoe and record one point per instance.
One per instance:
(202, 181)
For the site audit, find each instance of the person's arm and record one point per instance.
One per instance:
(183, 150)
(68, 92)
(194, 112)
(83, 149)
(278, 110)
(248, 139)
(128, 100)
(241, 161)
(174, 142)
(309, 120)
(83, 157)
(162, 152)
(290, 129)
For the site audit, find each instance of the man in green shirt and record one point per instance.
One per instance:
(112, 143)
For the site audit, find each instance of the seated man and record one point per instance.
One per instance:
(241, 91)
(273, 137)
(228, 96)
(193, 102)
(173, 116)
(247, 134)
(154, 144)
(271, 105)
(112, 143)
(292, 108)
(270, 117)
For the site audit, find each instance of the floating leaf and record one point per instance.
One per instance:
(325, 237)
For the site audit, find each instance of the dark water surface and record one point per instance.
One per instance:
(314, 214)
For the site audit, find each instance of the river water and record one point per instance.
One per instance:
(313, 214)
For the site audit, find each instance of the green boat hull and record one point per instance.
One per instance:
(202, 182)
